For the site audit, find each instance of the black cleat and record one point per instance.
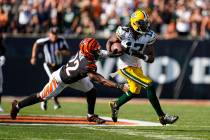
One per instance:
(95, 118)
(14, 111)
(114, 110)
(168, 119)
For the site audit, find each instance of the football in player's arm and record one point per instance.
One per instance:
(76, 74)
(137, 42)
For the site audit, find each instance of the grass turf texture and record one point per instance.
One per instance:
(194, 123)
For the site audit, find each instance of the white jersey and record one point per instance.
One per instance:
(138, 44)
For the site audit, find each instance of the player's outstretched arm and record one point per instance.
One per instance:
(34, 53)
(100, 79)
(105, 54)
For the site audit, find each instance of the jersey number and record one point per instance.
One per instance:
(72, 68)
(136, 47)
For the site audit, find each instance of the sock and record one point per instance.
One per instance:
(91, 100)
(124, 98)
(56, 102)
(151, 95)
(32, 99)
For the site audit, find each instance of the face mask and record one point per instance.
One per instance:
(96, 54)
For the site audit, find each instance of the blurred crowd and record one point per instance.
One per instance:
(169, 18)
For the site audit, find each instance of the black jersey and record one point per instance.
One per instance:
(76, 69)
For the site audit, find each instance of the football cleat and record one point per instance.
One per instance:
(114, 110)
(1, 109)
(14, 111)
(95, 118)
(43, 105)
(168, 119)
(56, 106)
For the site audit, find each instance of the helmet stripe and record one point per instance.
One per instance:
(89, 45)
(145, 15)
(82, 47)
(94, 45)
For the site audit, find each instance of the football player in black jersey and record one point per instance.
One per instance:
(76, 74)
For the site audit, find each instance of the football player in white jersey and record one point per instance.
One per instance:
(137, 43)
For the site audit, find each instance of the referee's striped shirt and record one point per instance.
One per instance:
(50, 48)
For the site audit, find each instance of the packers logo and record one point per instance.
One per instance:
(133, 15)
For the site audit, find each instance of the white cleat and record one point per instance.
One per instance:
(57, 106)
(1, 109)
(43, 106)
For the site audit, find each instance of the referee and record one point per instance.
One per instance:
(54, 48)
(2, 61)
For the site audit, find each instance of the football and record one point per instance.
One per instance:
(116, 48)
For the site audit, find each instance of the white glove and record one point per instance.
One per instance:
(2, 60)
(104, 54)
(126, 43)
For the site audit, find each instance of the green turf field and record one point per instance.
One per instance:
(194, 124)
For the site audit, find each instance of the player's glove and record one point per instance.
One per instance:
(123, 86)
(126, 44)
(2, 60)
(105, 54)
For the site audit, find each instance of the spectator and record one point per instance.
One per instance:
(195, 22)
(183, 19)
(109, 19)
(86, 25)
(43, 17)
(170, 32)
(96, 11)
(3, 20)
(24, 16)
(205, 25)
(34, 25)
(156, 20)
(70, 18)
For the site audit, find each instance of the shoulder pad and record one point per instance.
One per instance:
(120, 32)
(152, 37)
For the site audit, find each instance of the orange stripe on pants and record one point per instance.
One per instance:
(48, 89)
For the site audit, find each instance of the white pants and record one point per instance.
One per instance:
(1, 80)
(47, 70)
(55, 86)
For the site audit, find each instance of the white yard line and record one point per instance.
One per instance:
(149, 135)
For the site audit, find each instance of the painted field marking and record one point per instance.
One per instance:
(148, 134)
(69, 120)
